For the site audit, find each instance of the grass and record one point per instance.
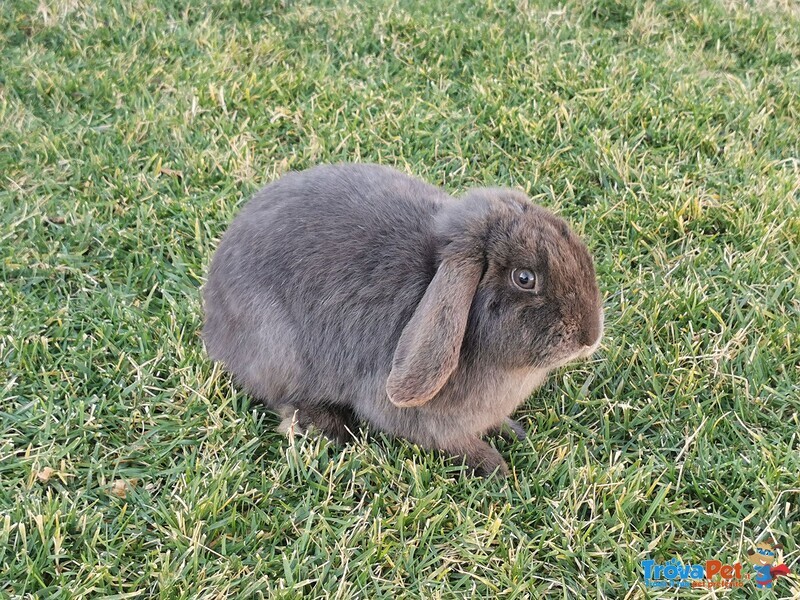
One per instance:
(131, 131)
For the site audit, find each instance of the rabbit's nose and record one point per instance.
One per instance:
(591, 333)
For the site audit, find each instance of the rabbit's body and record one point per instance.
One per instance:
(328, 297)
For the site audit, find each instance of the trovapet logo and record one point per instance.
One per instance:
(709, 574)
(715, 573)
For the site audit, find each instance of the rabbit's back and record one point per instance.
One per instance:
(315, 279)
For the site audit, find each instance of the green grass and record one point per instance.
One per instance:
(131, 131)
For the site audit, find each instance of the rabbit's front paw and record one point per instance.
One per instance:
(510, 430)
(480, 457)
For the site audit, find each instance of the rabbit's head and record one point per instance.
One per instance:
(515, 288)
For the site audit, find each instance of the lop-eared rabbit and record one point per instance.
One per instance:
(355, 293)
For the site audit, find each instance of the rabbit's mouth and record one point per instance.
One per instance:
(583, 352)
(587, 351)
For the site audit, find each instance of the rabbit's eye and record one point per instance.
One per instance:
(523, 279)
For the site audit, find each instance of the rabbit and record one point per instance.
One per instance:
(354, 293)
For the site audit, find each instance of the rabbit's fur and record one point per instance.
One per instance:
(354, 293)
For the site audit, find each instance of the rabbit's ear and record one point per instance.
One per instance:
(429, 347)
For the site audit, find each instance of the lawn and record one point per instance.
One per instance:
(131, 131)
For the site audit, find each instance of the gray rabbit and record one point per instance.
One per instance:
(350, 293)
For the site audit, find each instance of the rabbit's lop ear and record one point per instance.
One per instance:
(429, 347)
